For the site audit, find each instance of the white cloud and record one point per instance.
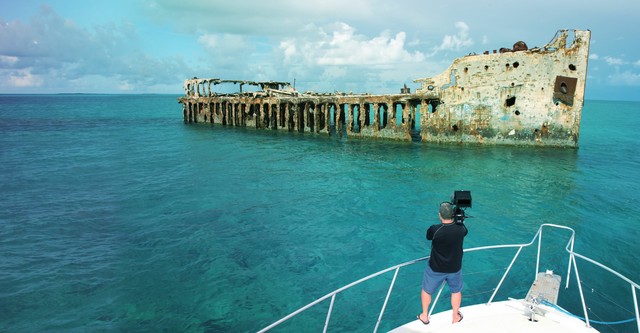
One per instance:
(338, 57)
(9, 60)
(333, 73)
(229, 55)
(289, 49)
(227, 43)
(376, 46)
(261, 72)
(24, 78)
(626, 78)
(342, 46)
(126, 86)
(458, 41)
(614, 61)
(50, 49)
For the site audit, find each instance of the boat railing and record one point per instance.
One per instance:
(536, 238)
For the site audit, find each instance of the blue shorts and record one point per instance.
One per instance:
(432, 280)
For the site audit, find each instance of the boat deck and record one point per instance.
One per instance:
(506, 316)
(538, 312)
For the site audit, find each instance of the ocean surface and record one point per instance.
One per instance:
(115, 216)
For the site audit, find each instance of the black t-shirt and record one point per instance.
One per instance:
(446, 246)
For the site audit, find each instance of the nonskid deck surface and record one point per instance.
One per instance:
(506, 316)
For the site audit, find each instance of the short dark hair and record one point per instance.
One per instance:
(446, 210)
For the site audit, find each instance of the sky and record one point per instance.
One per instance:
(376, 46)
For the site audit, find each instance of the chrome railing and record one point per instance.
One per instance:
(537, 237)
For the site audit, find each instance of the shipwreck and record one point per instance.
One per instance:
(509, 96)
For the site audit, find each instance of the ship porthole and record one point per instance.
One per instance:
(563, 87)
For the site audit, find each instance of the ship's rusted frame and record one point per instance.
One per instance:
(516, 96)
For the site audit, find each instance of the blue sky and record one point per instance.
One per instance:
(151, 46)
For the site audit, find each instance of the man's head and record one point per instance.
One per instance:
(446, 211)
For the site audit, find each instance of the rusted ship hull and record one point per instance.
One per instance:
(516, 96)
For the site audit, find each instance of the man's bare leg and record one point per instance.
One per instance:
(456, 299)
(426, 300)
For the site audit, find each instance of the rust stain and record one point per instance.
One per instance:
(517, 96)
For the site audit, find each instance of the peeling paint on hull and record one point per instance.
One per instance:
(516, 96)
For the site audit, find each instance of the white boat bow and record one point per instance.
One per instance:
(537, 312)
(505, 316)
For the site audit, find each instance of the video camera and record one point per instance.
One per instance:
(461, 200)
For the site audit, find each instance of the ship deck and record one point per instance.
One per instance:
(506, 316)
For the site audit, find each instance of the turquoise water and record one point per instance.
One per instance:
(116, 216)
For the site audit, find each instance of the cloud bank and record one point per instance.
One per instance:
(361, 45)
(52, 51)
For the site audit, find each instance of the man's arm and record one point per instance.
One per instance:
(430, 233)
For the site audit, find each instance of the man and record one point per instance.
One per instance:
(445, 263)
